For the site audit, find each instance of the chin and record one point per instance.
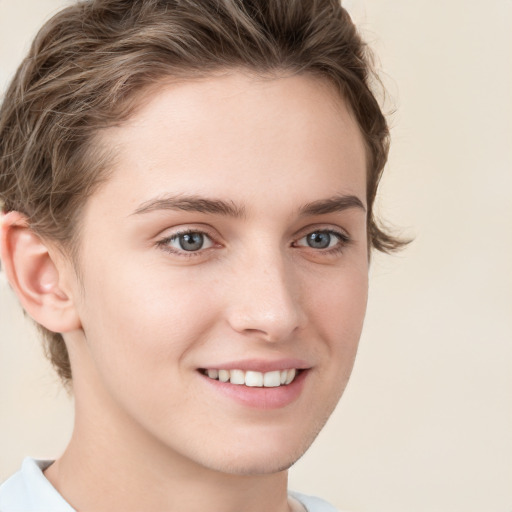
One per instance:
(250, 466)
(261, 456)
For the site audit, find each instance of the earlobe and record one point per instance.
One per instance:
(36, 275)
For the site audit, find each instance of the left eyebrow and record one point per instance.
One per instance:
(332, 205)
(192, 203)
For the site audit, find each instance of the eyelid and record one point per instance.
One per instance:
(173, 233)
(163, 241)
(343, 237)
(325, 228)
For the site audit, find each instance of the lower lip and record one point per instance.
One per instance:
(260, 398)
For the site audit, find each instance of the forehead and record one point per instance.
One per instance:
(235, 134)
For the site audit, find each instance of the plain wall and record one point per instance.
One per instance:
(426, 422)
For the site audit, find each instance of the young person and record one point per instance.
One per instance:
(187, 194)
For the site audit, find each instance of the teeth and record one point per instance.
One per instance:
(223, 375)
(213, 374)
(290, 377)
(254, 379)
(272, 379)
(237, 377)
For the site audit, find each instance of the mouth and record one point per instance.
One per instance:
(253, 379)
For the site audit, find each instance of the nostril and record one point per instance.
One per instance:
(274, 326)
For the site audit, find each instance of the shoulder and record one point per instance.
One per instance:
(313, 504)
(29, 491)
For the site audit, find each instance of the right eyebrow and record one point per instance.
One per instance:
(191, 203)
(333, 204)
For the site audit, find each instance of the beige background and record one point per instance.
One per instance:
(426, 423)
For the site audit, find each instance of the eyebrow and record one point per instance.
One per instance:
(200, 204)
(332, 205)
(192, 204)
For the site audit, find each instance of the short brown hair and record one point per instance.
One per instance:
(89, 63)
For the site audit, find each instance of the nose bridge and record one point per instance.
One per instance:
(266, 300)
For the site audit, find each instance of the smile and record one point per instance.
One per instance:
(253, 379)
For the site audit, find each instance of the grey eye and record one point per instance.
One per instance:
(187, 242)
(191, 241)
(322, 239)
(319, 239)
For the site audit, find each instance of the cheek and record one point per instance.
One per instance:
(140, 320)
(338, 312)
(139, 333)
(342, 298)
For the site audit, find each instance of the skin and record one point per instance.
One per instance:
(151, 433)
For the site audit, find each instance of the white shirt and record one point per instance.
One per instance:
(28, 490)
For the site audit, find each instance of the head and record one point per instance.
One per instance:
(95, 73)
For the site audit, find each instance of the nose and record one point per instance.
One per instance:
(265, 299)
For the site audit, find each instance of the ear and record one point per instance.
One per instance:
(39, 276)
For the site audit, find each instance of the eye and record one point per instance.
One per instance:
(323, 239)
(188, 241)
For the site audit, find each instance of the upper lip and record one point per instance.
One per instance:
(260, 365)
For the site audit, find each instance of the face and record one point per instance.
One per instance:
(224, 273)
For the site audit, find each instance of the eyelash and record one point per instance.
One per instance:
(343, 239)
(164, 243)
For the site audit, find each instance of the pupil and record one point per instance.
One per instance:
(319, 240)
(191, 241)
